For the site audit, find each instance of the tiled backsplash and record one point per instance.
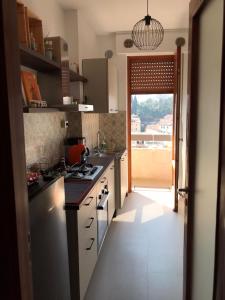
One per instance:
(90, 127)
(113, 126)
(44, 135)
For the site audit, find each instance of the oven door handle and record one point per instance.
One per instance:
(103, 202)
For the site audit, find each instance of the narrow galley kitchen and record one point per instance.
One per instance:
(98, 211)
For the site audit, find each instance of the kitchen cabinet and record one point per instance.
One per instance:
(82, 244)
(110, 175)
(101, 86)
(86, 229)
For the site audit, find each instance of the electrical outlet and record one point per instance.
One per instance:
(64, 124)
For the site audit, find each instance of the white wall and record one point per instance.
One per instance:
(205, 202)
(71, 35)
(50, 13)
(167, 46)
(88, 46)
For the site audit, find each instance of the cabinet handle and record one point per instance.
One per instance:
(92, 242)
(112, 168)
(103, 180)
(88, 203)
(104, 201)
(92, 220)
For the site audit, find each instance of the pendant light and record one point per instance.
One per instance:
(147, 34)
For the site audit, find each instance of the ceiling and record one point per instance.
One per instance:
(120, 15)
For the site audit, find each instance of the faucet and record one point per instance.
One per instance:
(100, 144)
(98, 140)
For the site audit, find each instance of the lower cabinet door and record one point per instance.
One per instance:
(87, 261)
(87, 245)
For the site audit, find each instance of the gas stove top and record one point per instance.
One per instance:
(83, 171)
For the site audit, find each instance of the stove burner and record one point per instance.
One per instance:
(86, 172)
(81, 171)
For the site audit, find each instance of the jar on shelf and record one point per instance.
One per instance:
(49, 49)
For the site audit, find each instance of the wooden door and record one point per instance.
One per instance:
(200, 190)
(16, 281)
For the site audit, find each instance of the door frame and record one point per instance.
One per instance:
(129, 128)
(14, 229)
(176, 123)
(195, 8)
(219, 271)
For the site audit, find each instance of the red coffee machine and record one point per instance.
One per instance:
(76, 150)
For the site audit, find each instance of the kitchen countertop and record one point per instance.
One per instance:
(77, 190)
(36, 188)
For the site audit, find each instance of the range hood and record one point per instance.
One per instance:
(84, 107)
(77, 107)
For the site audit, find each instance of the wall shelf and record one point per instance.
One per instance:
(54, 108)
(39, 109)
(66, 108)
(76, 77)
(34, 60)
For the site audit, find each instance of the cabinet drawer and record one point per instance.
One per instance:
(87, 261)
(87, 240)
(87, 243)
(87, 209)
(87, 230)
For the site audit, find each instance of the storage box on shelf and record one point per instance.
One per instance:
(60, 55)
(29, 29)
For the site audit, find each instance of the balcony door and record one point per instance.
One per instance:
(152, 114)
(151, 140)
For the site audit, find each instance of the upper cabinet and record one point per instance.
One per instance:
(101, 86)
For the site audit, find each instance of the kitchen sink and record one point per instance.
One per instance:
(105, 153)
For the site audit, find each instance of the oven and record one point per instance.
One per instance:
(102, 211)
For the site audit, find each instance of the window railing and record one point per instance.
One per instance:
(146, 140)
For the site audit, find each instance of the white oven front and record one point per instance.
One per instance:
(102, 216)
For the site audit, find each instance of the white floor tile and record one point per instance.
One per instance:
(141, 258)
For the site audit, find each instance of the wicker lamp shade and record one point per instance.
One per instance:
(148, 33)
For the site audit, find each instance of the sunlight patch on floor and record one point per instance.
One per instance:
(151, 212)
(128, 217)
(161, 196)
